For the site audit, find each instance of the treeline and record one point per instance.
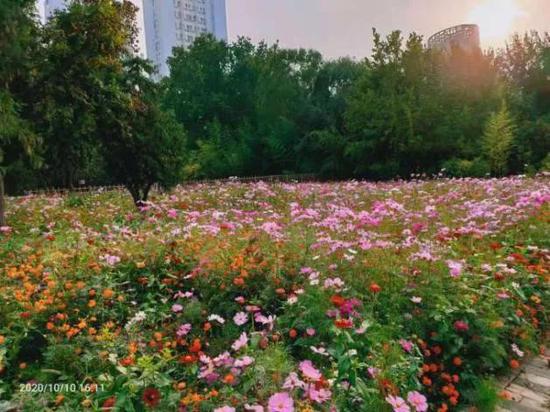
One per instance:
(77, 105)
(259, 109)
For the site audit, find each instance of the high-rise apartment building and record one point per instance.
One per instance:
(175, 23)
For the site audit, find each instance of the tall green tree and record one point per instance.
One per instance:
(17, 31)
(142, 144)
(83, 53)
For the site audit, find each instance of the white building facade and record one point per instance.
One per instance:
(50, 6)
(177, 23)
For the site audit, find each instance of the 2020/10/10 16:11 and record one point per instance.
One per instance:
(60, 387)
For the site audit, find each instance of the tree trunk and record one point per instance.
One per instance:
(2, 202)
(139, 195)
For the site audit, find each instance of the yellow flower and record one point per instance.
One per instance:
(497, 324)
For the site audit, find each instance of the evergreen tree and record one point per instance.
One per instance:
(498, 140)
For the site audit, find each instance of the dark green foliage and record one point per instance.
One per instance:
(83, 51)
(17, 139)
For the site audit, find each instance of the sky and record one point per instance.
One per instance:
(344, 27)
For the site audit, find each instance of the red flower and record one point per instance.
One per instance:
(344, 323)
(195, 346)
(187, 359)
(375, 288)
(108, 404)
(461, 326)
(495, 245)
(337, 300)
(151, 397)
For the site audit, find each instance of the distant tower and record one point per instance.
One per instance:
(175, 23)
(464, 36)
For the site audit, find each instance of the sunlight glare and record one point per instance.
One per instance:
(495, 18)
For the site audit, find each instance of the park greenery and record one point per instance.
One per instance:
(75, 96)
(369, 289)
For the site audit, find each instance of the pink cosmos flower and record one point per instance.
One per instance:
(398, 404)
(373, 372)
(418, 400)
(319, 396)
(272, 229)
(253, 408)
(280, 402)
(293, 381)
(503, 295)
(455, 267)
(310, 332)
(240, 343)
(407, 345)
(176, 308)
(243, 362)
(309, 371)
(225, 409)
(240, 318)
(319, 351)
(110, 260)
(183, 330)
(181, 294)
(517, 350)
(172, 213)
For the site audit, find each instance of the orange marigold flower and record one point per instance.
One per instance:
(457, 361)
(229, 379)
(514, 364)
(108, 293)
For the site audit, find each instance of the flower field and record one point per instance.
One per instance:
(352, 296)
